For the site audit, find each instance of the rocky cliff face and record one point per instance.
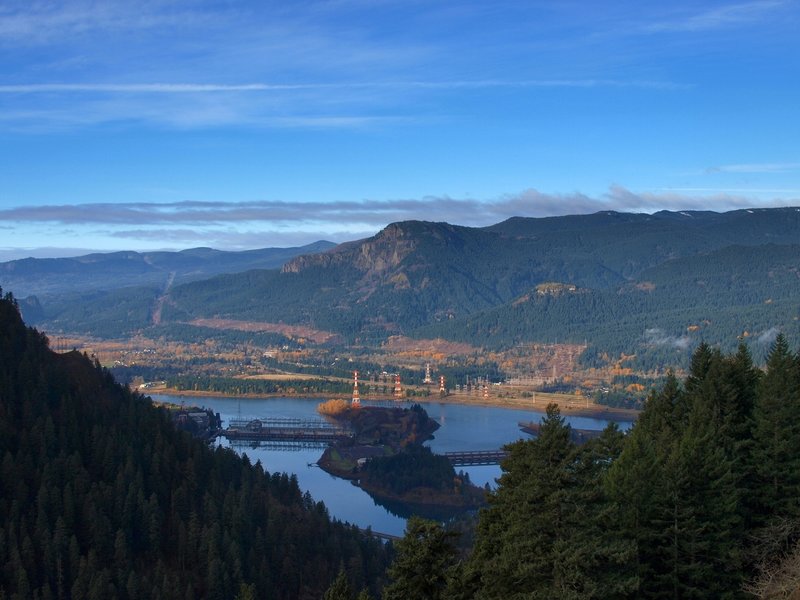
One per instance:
(375, 257)
(385, 251)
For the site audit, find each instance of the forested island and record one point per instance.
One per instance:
(386, 459)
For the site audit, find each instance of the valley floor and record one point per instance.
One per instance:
(567, 403)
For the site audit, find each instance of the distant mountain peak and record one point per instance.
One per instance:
(378, 257)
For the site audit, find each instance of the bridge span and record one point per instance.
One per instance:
(476, 457)
(293, 433)
(386, 537)
(285, 430)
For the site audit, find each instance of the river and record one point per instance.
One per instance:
(462, 427)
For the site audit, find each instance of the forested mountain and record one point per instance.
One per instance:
(102, 498)
(701, 499)
(679, 276)
(108, 271)
(737, 292)
(629, 243)
(635, 283)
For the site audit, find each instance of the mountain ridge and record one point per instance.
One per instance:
(422, 278)
(105, 271)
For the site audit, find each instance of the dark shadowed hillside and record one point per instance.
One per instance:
(102, 498)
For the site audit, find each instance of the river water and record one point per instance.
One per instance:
(462, 427)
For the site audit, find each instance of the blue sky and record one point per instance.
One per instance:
(175, 124)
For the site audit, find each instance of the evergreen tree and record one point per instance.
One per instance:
(776, 440)
(549, 531)
(424, 564)
(680, 480)
(514, 549)
(744, 377)
(594, 558)
(339, 589)
(695, 520)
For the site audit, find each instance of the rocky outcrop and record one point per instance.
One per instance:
(375, 256)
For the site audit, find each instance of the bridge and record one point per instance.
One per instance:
(476, 457)
(579, 436)
(386, 537)
(293, 434)
(279, 445)
(284, 430)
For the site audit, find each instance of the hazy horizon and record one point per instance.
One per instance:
(10, 254)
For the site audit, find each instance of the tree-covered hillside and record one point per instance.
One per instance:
(735, 293)
(416, 274)
(701, 499)
(650, 285)
(102, 498)
(629, 243)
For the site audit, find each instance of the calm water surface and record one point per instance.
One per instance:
(462, 427)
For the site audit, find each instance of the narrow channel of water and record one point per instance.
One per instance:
(462, 427)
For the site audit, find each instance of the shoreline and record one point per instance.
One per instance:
(568, 405)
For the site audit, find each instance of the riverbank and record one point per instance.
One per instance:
(568, 404)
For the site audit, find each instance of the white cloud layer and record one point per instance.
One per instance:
(465, 211)
(237, 225)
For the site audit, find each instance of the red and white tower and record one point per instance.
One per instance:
(356, 398)
(427, 379)
(442, 389)
(398, 391)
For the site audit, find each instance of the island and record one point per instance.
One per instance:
(387, 459)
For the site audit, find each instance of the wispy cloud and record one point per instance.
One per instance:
(198, 88)
(346, 104)
(81, 64)
(756, 168)
(741, 197)
(730, 15)
(768, 336)
(151, 88)
(657, 337)
(33, 23)
(470, 211)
